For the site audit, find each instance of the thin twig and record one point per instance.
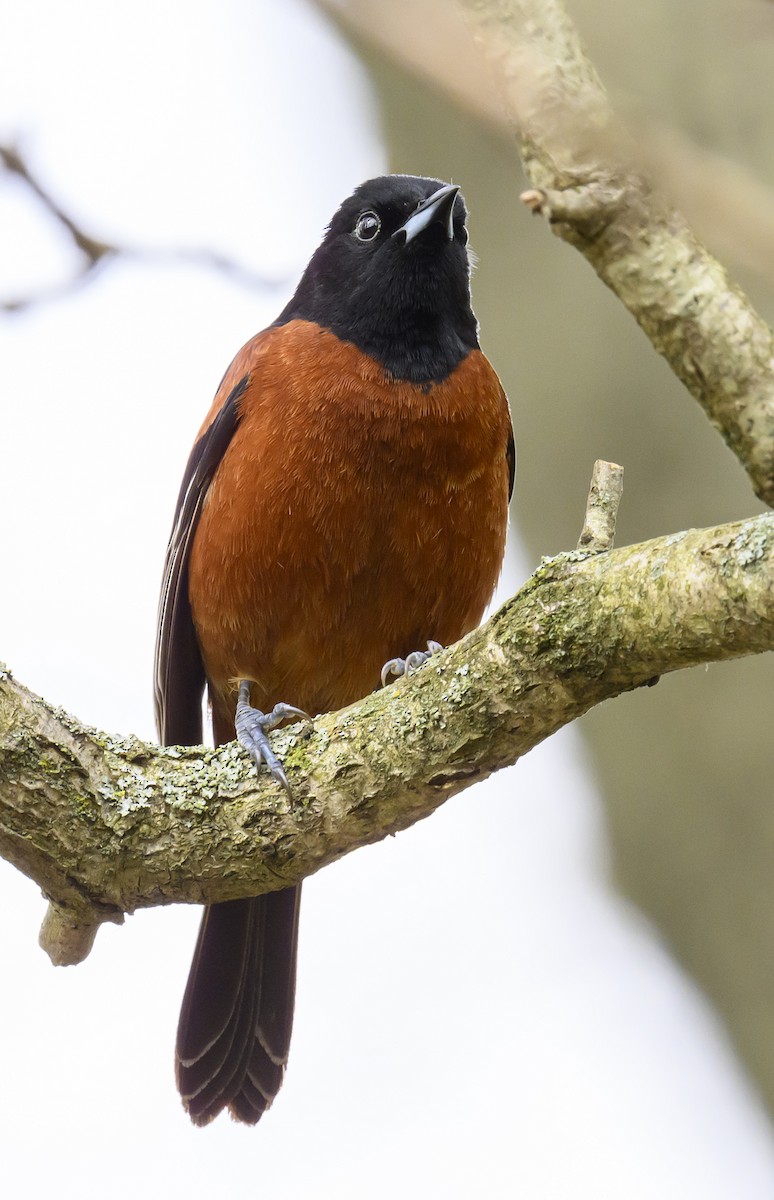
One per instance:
(598, 533)
(97, 252)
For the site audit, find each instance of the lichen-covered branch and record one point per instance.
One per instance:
(108, 824)
(587, 183)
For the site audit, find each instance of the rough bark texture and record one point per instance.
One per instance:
(107, 824)
(640, 246)
(598, 533)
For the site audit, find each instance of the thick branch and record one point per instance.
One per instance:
(642, 248)
(107, 825)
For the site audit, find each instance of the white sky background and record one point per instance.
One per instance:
(471, 1021)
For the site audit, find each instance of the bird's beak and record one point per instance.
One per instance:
(438, 207)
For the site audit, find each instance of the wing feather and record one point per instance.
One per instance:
(179, 671)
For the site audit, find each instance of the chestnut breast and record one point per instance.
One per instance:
(352, 517)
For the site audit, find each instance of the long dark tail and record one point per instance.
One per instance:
(237, 1014)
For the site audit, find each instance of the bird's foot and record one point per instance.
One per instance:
(253, 726)
(411, 663)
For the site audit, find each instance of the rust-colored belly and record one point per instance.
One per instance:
(352, 518)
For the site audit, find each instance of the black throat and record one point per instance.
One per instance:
(404, 304)
(422, 344)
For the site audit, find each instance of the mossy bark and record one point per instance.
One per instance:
(108, 824)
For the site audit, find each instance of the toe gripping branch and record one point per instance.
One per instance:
(411, 663)
(254, 726)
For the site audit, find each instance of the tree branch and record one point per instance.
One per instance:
(108, 824)
(95, 253)
(585, 184)
(733, 207)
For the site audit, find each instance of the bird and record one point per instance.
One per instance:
(345, 504)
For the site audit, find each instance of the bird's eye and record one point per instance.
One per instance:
(367, 226)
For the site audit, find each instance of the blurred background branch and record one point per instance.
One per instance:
(95, 253)
(729, 204)
(596, 196)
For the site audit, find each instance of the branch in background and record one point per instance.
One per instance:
(731, 206)
(96, 253)
(578, 159)
(106, 825)
(586, 185)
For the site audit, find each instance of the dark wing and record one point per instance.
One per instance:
(510, 458)
(179, 671)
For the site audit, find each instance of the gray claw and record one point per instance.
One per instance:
(393, 666)
(411, 663)
(252, 727)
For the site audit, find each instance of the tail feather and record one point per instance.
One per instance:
(278, 974)
(225, 941)
(250, 1105)
(205, 1080)
(237, 1013)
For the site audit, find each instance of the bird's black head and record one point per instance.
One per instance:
(392, 276)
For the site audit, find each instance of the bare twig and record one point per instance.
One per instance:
(598, 533)
(66, 939)
(96, 253)
(92, 248)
